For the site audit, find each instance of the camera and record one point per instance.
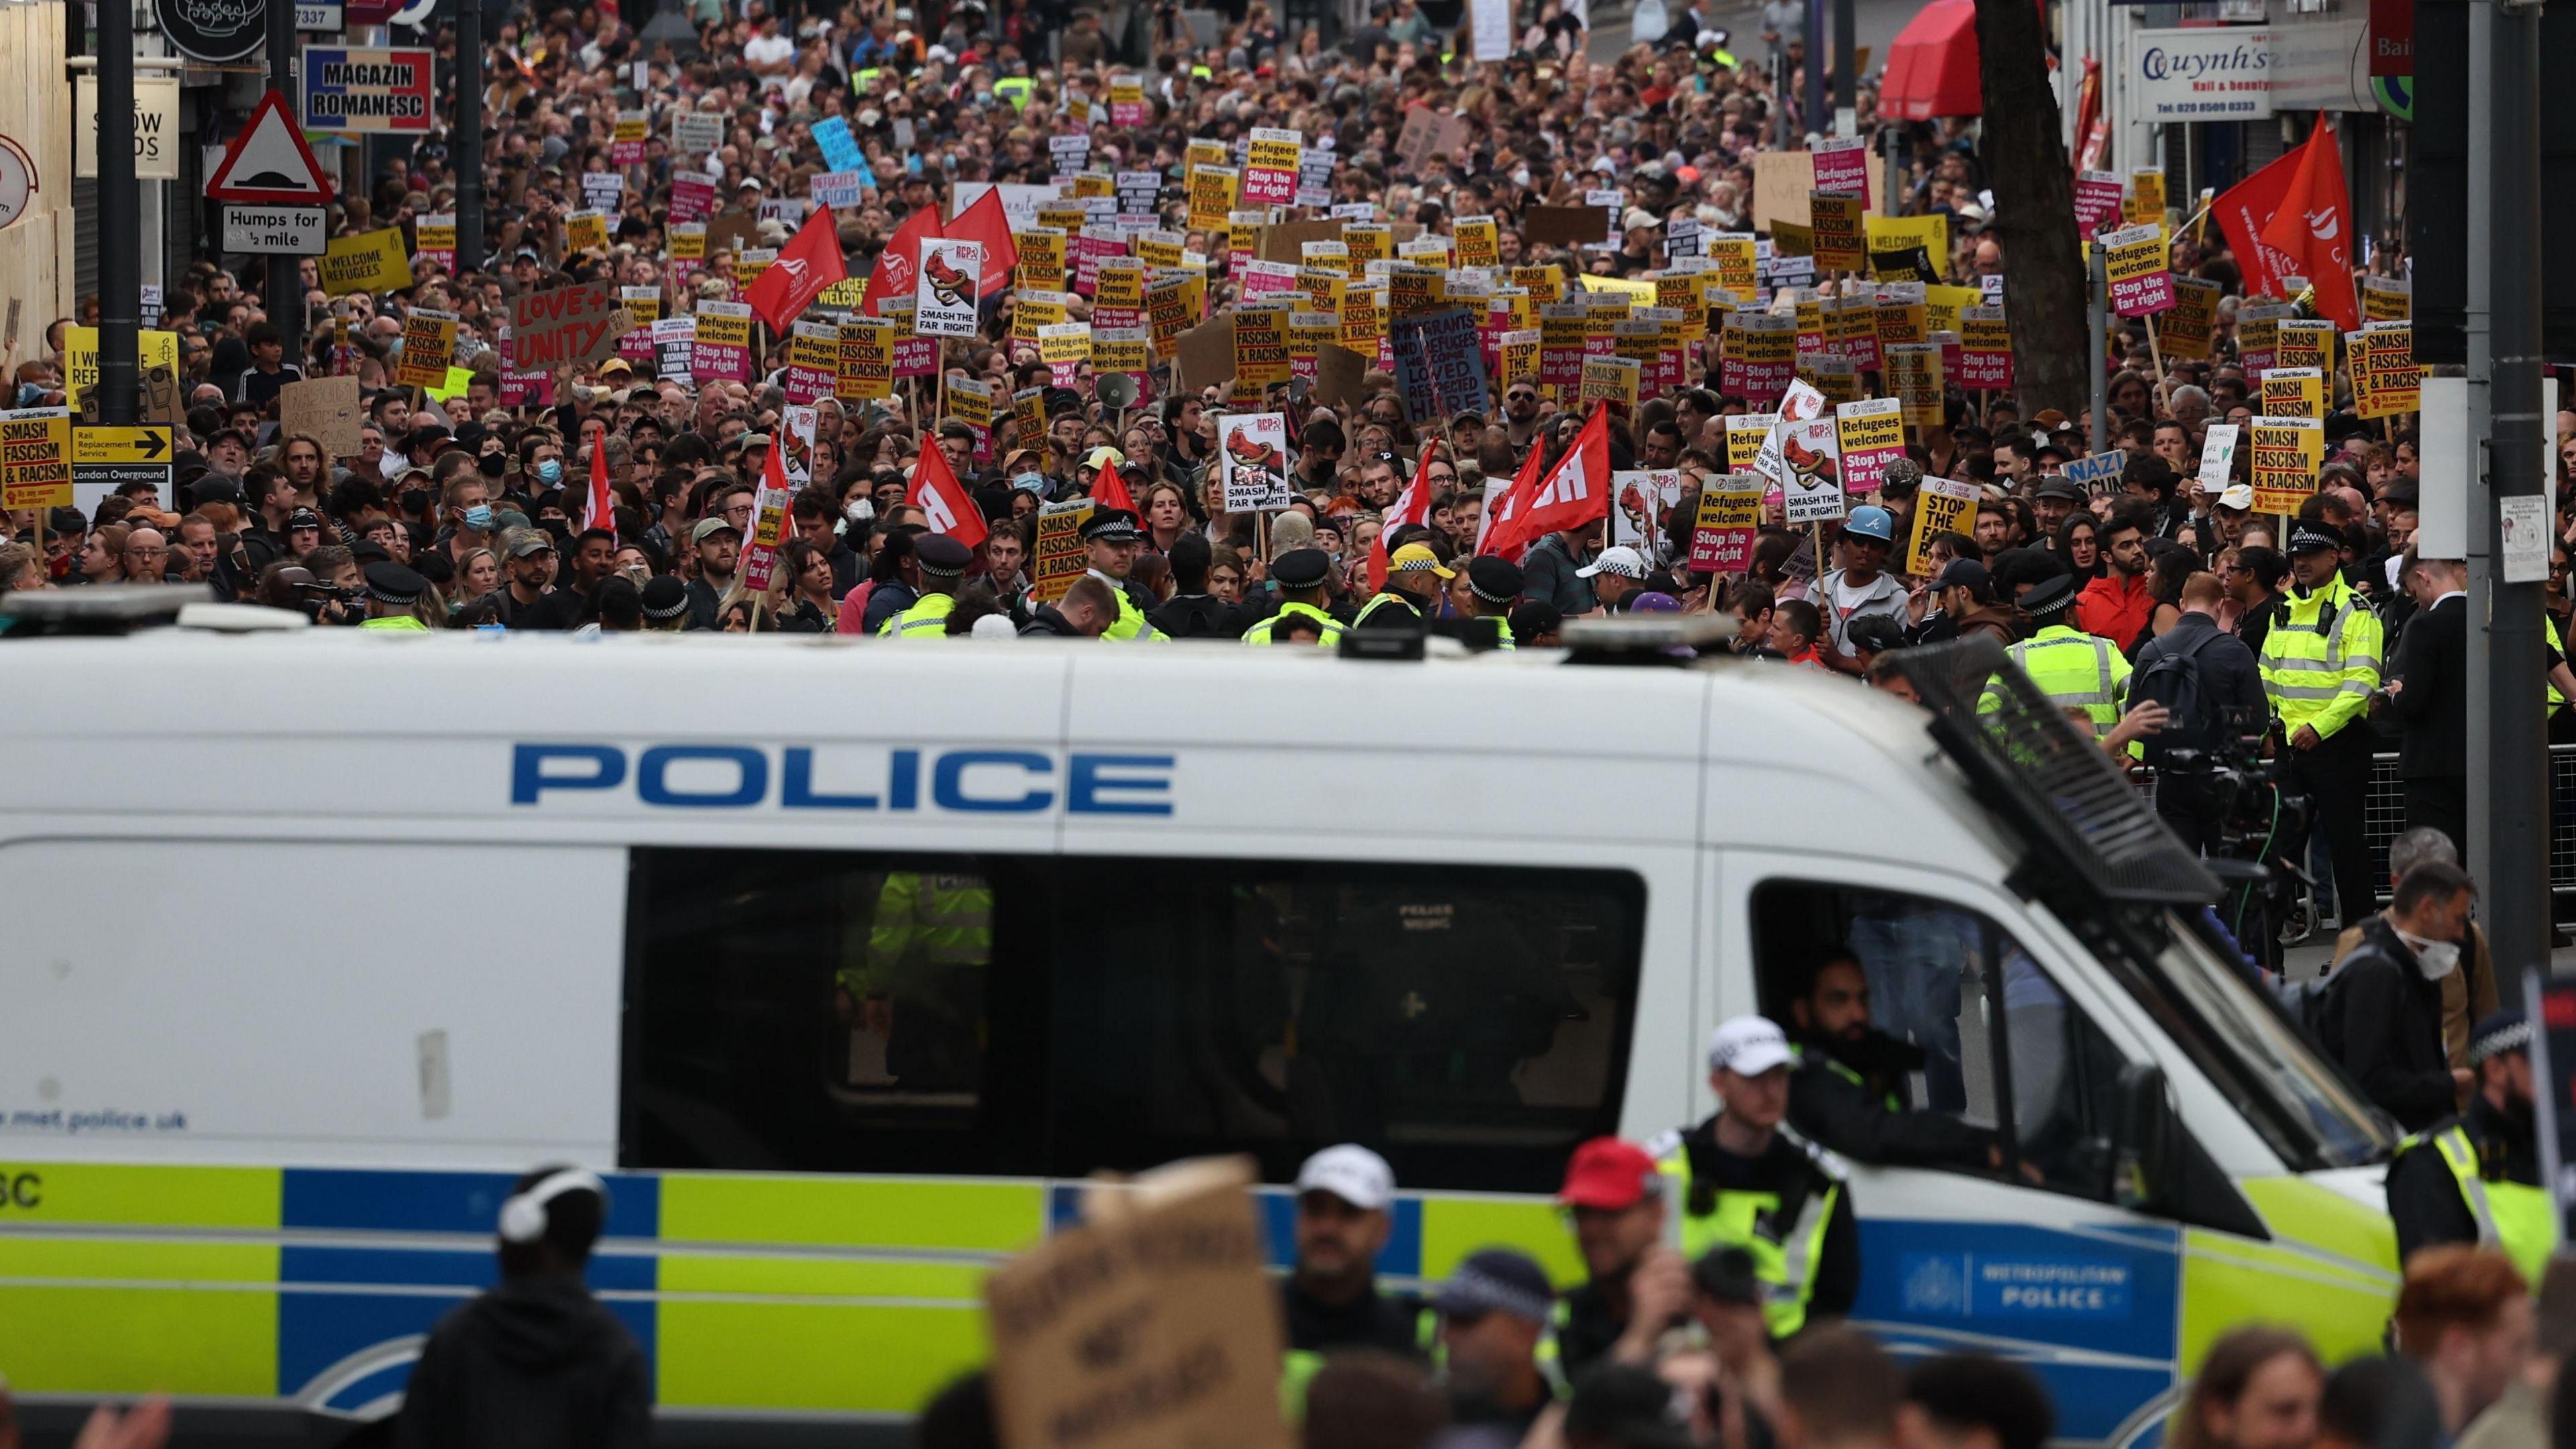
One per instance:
(330, 604)
(2256, 832)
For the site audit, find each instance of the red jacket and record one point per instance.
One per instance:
(2118, 609)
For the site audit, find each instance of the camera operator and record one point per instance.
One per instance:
(2209, 683)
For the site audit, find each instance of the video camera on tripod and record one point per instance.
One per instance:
(2254, 826)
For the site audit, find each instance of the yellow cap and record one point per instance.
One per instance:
(1417, 556)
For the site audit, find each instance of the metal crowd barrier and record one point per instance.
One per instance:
(2383, 815)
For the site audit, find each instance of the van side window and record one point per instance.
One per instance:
(1968, 1010)
(1027, 1016)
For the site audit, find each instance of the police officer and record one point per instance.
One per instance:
(392, 591)
(1493, 586)
(1852, 1091)
(2320, 661)
(1330, 1298)
(2476, 1178)
(1493, 1313)
(919, 991)
(1745, 1179)
(1300, 575)
(942, 562)
(2074, 669)
(1413, 580)
(1110, 538)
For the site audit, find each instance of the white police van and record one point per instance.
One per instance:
(844, 960)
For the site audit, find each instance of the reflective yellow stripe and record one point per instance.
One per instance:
(1454, 1226)
(841, 1358)
(134, 1196)
(879, 1212)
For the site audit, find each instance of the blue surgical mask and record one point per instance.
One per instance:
(479, 517)
(1030, 482)
(550, 471)
(29, 394)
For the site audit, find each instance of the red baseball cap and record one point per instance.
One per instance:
(1607, 1172)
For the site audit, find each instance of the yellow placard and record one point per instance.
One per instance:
(369, 261)
(35, 462)
(2189, 331)
(428, 348)
(2144, 201)
(1913, 372)
(1479, 240)
(586, 231)
(1041, 263)
(1611, 380)
(1212, 195)
(2293, 392)
(2283, 455)
(863, 365)
(153, 350)
(1841, 238)
(2306, 342)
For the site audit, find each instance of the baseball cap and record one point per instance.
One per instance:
(1103, 458)
(1352, 1173)
(303, 518)
(1963, 573)
(1622, 560)
(1748, 1046)
(1497, 1280)
(1872, 522)
(709, 527)
(2058, 485)
(1417, 557)
(526, 542)
(2239, 496)
(1654, 603)
(1609, 1172)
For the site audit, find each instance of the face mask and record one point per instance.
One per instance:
(28, 393)
(1030, 482)
(492, 465)
(479, 517)
(550, 471)
(2436, 959)
(415, 499)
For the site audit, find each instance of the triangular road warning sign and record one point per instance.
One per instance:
(269, 163)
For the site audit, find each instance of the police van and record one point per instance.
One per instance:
(846, 962)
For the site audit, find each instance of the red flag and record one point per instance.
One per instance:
(760, 550)
(602, 512)
(984, 222)
(900, 262)
(944, 501)
(1412, 506)
(1109, 490)
(1577, 490)
(805, 266)
(1499, 534)
(2312, 226)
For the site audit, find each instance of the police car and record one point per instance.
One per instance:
(844, 964)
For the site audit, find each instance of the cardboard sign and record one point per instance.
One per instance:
(566, 326)
(2217, 456)
(1985, 350)
(2284, 456)
(1270, 167)
(952, 273)
(1868, 435)
(2292, 392)
(2098, 200)
(1782, 181)
(2138, 261)
(325, 408)
(2098, 475)
(1206, 353)
(428, 348)
(369, 261)
(1913, 372)
(1941, 506)
(1059, 557)
(35, 458)
(720, 347)
(1730, 514)
(1841, 235)
(1439, 365)
(1563, 226)
(1253, 448)
(2189, 331)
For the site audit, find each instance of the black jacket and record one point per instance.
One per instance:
(1198, 616)
(2432, 711)
(1045, 622)
(1375, 1320)
(535, 1363)
(1792, 1172)
(2230, 677)
(2424, 1198)
(1853, 1117)
(2383, 1022)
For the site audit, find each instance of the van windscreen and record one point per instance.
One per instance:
(1042, 1016)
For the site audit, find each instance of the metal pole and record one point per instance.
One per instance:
(285, 294)
(120, 218)
(1815, 93)
(467, 151)
(1846, 66)
(2097, 283)
(2474, 321)
(2516, 850)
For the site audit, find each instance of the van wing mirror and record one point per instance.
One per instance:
(2145, 1161)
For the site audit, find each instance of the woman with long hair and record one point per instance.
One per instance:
(1166, 506)
(477, 574)
(2258, 1389)
(810, 604)
(2079, 544)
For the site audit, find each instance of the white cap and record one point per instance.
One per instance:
(993, 626)
(1748, 1046)
(1352, 1173)
(2236, 495)
(1624, 561)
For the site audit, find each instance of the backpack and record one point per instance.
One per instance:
(2173, 680)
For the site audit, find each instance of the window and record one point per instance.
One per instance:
(837, 1012)
(1982, 1013)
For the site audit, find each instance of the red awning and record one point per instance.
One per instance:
(1932, 67)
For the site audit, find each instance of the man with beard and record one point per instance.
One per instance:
(1852, 1094)
(1330, 1299)
(2476, 1178)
